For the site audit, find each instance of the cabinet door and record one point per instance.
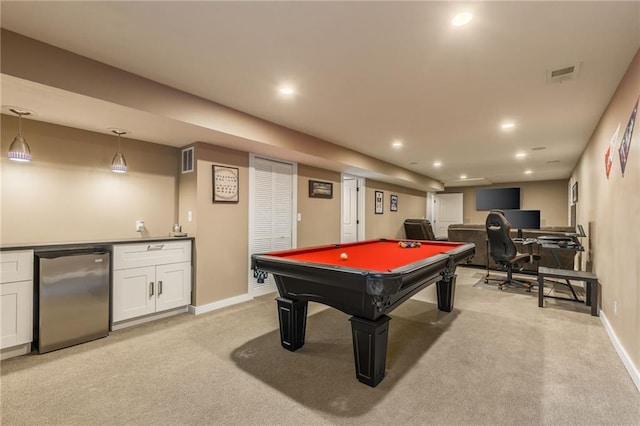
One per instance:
(174, 285)
(16, 313)
(134, 293)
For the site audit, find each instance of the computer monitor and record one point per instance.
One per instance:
(523, 219)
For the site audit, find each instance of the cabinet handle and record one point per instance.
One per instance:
(155, 247)
(159, 288)
(151, 288)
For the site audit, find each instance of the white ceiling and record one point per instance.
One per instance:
(366, 73)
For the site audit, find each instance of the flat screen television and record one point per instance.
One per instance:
(523, 219)
(497, 198)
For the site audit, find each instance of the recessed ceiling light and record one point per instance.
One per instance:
(437, 163)
(396, 144)
(461, 19)
(287, 90)
(463, 176)
(507, 125)
(521, 154)
(528, 172)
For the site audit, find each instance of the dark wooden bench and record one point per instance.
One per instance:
(589, 278)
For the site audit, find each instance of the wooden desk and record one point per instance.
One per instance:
(589, 278)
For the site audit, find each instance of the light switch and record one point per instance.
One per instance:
(299, 217)
(189, 216)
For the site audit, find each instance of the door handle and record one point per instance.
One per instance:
(151, 289)
(159, 288)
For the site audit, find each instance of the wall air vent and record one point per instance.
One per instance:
(187, 160)
(560, 74)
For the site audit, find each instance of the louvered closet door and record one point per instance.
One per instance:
(273, 212)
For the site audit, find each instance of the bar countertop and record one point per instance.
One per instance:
(92, 243)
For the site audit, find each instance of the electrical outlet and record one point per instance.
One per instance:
(139, 225)
(615, 308)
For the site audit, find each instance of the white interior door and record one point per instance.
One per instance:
(448, 211)
(272, 194)
(349, 210)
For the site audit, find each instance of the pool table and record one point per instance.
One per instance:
(366, 279)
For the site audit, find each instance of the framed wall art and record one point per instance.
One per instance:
(574, 193)
(319, 189)
(379, 202)
(393, 203)
(225, 184)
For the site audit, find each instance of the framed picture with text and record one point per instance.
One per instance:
(319, 189)
(225, 184)
(379, 202)
(393, 203)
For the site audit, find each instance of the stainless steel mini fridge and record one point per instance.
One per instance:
(73, 297)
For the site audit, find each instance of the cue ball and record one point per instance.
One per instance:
(344, 256)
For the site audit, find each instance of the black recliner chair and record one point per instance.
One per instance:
(420, 229)
(503, 250)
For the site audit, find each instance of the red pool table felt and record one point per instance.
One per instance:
(374, 255)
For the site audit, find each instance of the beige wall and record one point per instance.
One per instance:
(68, 192)
(411, 204)
(222, 231)
(611, 208)
(550, 197)
(321, 217)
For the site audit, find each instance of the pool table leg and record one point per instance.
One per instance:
(293, 322)
(370, 348)
(446, 290)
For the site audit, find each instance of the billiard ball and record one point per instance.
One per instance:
(344, 256)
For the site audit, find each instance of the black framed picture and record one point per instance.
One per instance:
(225, 184)
(393, 203)
(379, 202)
(574, 193)
(318, 189)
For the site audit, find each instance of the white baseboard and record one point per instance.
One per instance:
(197, 310)
(622, 353)
(15, 351)
(147, 318)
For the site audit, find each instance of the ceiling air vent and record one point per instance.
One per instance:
(561, 74)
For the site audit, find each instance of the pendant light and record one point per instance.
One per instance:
(119, 164)
(19, 150)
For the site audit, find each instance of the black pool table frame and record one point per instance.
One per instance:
(367, 295)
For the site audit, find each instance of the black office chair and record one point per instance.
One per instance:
(503, 250)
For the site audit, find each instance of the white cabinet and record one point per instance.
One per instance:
(150, 278)
(16, 300)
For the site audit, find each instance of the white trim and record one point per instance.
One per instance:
(622, 353)
(197, 310)
(362, 192)
(15, 351)
(148, 318)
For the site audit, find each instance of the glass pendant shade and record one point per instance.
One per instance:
(19, 149)
(118, 164)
